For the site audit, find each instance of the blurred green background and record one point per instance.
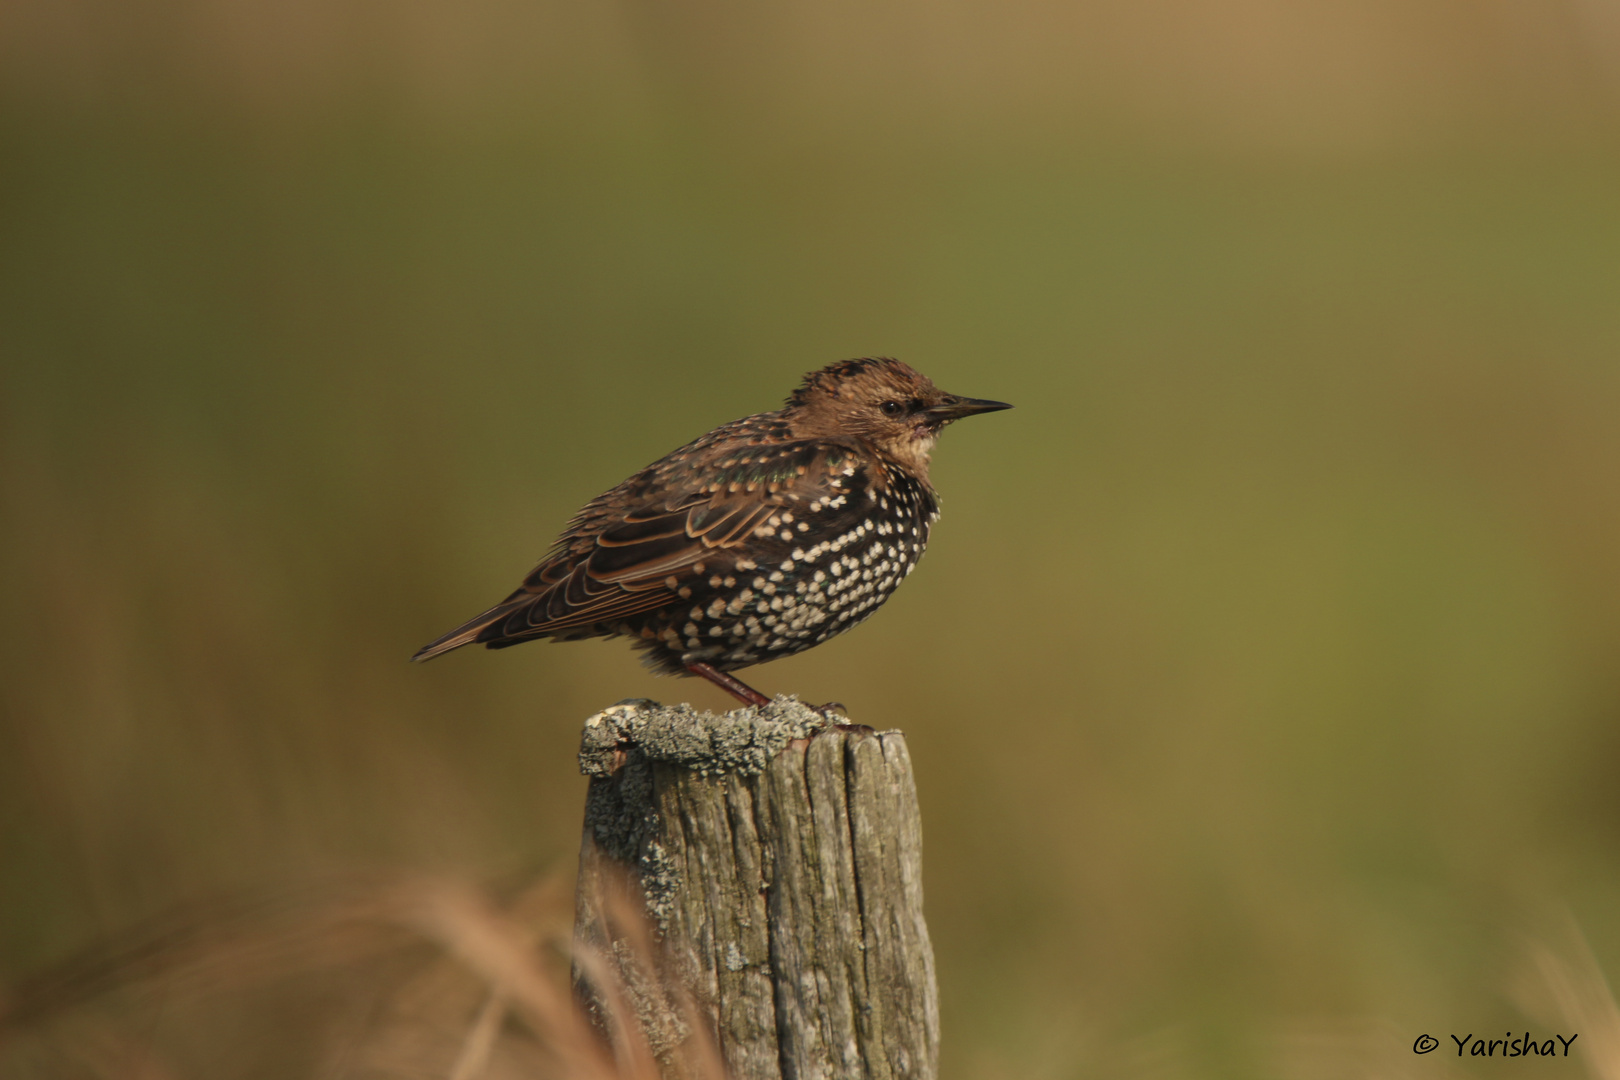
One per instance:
(1262, 679)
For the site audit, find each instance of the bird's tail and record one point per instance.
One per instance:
(468, 632)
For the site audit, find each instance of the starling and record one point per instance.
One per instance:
(759, 540)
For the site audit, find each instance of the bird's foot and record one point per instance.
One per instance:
(833, 710)
(836, 711)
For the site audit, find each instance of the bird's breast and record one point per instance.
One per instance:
(792, 587)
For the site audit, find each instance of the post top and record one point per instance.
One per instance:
(741, 741)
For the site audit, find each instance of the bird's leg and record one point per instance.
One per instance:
(749, 696)
(731, 685)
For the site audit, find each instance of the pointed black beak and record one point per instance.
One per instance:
(954, 408)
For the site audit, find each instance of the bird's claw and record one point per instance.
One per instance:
(835, 711)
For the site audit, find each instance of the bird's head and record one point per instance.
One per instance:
(886, 404)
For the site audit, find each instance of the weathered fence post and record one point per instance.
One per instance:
(779, 862)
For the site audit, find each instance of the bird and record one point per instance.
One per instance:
(763, 538)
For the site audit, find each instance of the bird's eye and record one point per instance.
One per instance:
(892, 408)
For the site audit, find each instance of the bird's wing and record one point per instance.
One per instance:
(622, 551)
(671, 525)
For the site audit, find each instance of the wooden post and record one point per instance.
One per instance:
(778, 859)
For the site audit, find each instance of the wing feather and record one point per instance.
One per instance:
(622, 549)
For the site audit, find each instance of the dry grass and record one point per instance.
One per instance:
(1558, 987)
(464, 986)
(461, 987)
(1562, 984)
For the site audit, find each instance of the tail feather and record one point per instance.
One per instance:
(468, 632)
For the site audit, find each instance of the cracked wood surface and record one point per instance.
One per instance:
(778, 862)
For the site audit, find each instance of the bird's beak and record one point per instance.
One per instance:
(954, 408)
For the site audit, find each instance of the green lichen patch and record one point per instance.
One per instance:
(741, 741)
